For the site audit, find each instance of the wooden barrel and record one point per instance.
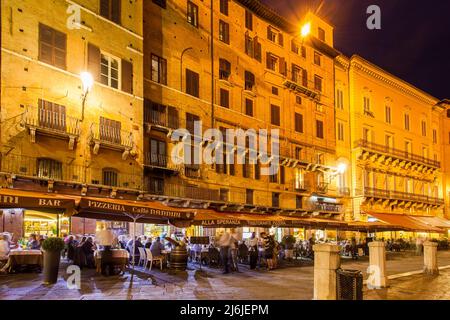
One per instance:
(178, 258)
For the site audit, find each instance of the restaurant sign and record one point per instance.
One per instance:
(12, 201)
(103, 206)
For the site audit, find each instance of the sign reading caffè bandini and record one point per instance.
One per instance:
(149, 209)
(19, 201)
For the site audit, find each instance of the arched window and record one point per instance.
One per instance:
(49, 168)
(110, 177)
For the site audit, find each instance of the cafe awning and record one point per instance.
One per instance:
(437, 222)
(379, 226)
(406, 222)
(13, 198)
(128, 210)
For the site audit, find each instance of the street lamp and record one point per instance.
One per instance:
(306, 30)
(342, 168)
(87, 82)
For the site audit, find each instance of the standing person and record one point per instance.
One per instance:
(269, 248)
(419, 246)
(234, 250)
(225, 244)
(253, 248)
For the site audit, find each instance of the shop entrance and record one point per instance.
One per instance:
(45, 224)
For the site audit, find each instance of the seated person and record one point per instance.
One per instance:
(4, 248)
(33, 243)
(156, 248)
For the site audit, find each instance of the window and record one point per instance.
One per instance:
(298, 153)
(257, 170)
(161, 3)
(159, 69)
(408, 148)
(367, 135)
(224, 7)
(299, 122)
(424, 128)
(280, 39)
(52, 46)
(275, 91)
(388, 114)
(275, 200)
(340, 131)
(282, 175)
(319, 129)
(49, 169)
(110, 177)
(249, 107)
(296, 73)
(303, 52)
(317, 83)
(249, 80)
(271, 34)
(248, 20)
(317, 58)
(192, 14)
(298, 99)
(298, 202)
(249, 196)
(434, 136)
(110, 130)
(321, 34)
(294, 46)
(224, 32)
(110, 9)
(389, 142)
(224, 69)
(271, 61)
(51, 115)
(249, 49)
(275, 115)
(320, 158)
(366, 102)
(340, 99)
(407, 121)
(304, 78)
(158, 152)
(299, 179)
(192, 83)
(109, 70)
(155, 185)
(224, 98)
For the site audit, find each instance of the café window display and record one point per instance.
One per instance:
(118, 227)
(45, 224)
(154, 230)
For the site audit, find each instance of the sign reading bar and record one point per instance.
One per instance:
(144, 209)
(19, 201)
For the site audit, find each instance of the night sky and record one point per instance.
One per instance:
(413, 43)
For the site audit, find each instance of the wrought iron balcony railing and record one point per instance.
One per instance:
(371, 146)
(160, 161)
(167, 118)
(403, 196)
(110, 137)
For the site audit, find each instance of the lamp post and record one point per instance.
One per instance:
(87, 82)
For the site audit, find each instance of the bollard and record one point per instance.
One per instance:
(326, 262)
(430, 258)
(377, 265)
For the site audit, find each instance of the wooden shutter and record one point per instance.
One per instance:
(298, 122)
(268, 57)
(104, 8)
(283, 66)
(115, 11)
(280, 39)
(94, 57)
(257, 49)
(305, 78)
(127, 76)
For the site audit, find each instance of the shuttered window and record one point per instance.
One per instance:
(111, 10)
(224, 69)
(299, 122)
(52, 46)
(110, 177)
(159, 69)
(224, 98)
(249, 107)
(49, 169)
(52, 115)
(192, 14)
(110, 130)
(224, 7)
(192, 83)
(249, 80)
(319, 129)
(224, 32)
(94, 61)
(275, 115)
(248, 20)
(127, 76)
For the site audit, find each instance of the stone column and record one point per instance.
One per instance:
(430, 258)
(326, 262)
(377, 265)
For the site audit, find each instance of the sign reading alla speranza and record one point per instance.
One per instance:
(145, 208)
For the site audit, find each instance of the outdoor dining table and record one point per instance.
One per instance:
(19, 257)
(120, 258)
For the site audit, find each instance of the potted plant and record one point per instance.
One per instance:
(52, 248)
(288, 243)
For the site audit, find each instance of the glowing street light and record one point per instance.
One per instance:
(306, 30)
(87, 82)
(342, 168)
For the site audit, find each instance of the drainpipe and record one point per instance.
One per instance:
(212, 63)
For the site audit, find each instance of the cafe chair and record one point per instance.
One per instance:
(142, 257)
(152, 259)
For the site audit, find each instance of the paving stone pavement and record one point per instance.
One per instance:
(291, 283)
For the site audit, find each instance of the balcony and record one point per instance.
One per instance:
(162, 118)
(112, 138)
(296, 83)
(107, 178)
(333, 208)
(301, 186)
(160, 161)
(389, 152)
(41, 169)
(321, 187)
(395, 196)
(192, 171)
(51, 123)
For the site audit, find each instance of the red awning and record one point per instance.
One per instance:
(406, 222)
(434, 221)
